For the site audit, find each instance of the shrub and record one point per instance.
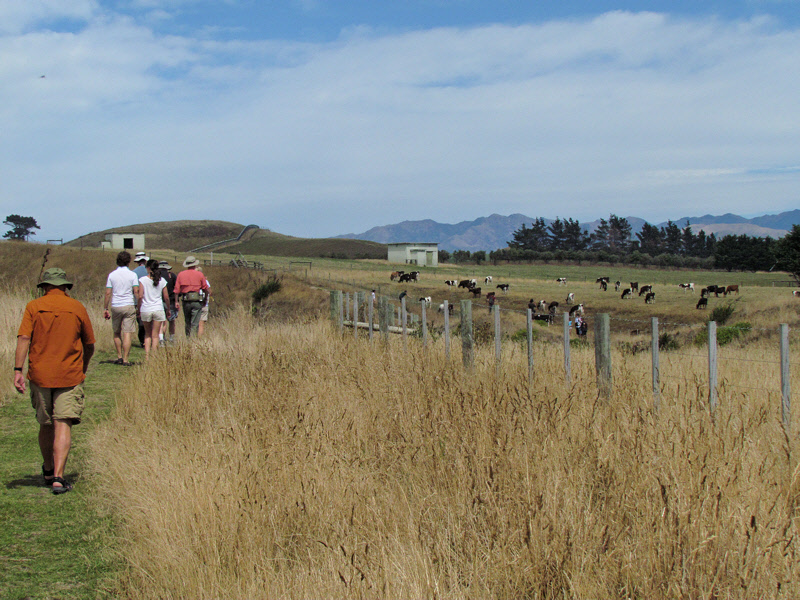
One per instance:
(668, 341)
(722, 313)
(521, 336)
(725, 335)
(264, 291)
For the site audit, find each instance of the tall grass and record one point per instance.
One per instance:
(282, 461)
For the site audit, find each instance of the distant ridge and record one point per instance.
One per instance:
(495, 231)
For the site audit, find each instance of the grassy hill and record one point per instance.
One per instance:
(275, 244)
(184, 236)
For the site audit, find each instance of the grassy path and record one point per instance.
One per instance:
(54, 546)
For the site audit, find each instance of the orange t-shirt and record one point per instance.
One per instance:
(59, 327)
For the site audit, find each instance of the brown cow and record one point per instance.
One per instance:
(730, 289)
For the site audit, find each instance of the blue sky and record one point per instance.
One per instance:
(317, 118)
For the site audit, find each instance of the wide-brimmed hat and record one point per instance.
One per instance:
(162, 264)
(140, 256)
(190, 261)
(55, 277)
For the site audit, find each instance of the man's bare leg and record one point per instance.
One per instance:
(62, 440)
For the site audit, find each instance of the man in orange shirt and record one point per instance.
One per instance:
(57, 337)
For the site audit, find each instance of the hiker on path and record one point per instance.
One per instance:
(152, 296)
(171, 308)
(121, 289)
(57, 338)
(201, 326)
(190, 287)
(140, 270)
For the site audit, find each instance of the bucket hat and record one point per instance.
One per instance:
(162, 264)
(140, 256)
(56, 277)
(190, 261)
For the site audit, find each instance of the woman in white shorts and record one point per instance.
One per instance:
(153, 297)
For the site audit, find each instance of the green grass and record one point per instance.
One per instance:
(55, 546)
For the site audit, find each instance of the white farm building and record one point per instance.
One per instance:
(421, 254)
(123, 241)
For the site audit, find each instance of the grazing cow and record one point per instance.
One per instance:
(396, 275)
(488, 279)
(426, 300)
(552, 307)
(686, 287)
(465, 283)
(548, 318)
(602, 279)
(449, 308)
(542, 306)
(414, 275)
(702, 303)
(503, 287)
(645, 289)
(730, 289)
(796, 293)
(405, 277)
(562, 280)
(617, 285)
(476, 292)
(626, 293)
(634, 286)
(451, 282)
(650, 298)
(604, 286)
(473, 282)
(576, 310)
(570, 298)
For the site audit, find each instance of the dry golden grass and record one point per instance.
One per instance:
(282, 461)
(275, 459)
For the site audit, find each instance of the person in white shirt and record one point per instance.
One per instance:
(121, 287)
(152, 297)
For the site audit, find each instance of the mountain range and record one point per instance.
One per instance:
(495, 231)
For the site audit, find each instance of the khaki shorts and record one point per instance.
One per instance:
(123, 319)
(57, 403)
(153, 316)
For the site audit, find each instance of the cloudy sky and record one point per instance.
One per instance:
(323, 117)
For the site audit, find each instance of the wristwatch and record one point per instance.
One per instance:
(18, 369)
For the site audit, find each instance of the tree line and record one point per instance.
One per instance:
(665, 246)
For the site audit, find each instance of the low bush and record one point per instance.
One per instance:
(725, 335)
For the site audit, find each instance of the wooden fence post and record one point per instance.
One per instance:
(497, 339)
(656, 368)
(712, 366)
(567, 365)
(355, 315)
(602, 354)
(336, 300)
(403, 322)
(529, 323)
(446, 305)
(786, 390)
(370, 316)
(467, 338)
(423, 306)
(384, 311)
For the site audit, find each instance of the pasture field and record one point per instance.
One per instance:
(276, 458)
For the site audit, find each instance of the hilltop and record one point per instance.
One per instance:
(186, 235)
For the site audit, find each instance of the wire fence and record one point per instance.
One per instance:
(708, 364)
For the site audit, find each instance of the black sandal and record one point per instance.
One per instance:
(63, 488)
(47, 474)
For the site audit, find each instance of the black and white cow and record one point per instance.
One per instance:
(650, 298)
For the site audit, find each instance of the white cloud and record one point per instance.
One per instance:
(636, 114)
